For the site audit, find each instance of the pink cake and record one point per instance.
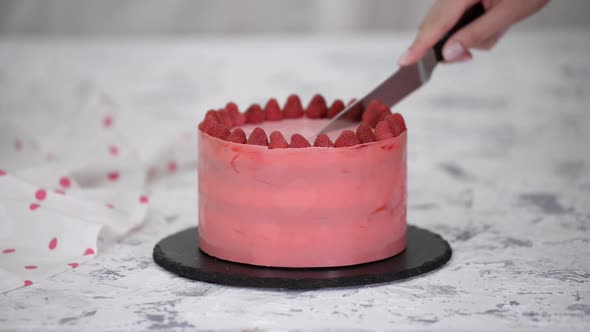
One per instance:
(334, 200)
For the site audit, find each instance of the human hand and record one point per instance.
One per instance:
(483, 33)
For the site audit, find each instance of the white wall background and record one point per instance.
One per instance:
(172, 17)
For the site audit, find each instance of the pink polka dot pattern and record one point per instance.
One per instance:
(113, 150)
(28, 283)
(40, 194)
(144, 199)
(53, 244)
(8, 251)
(34, 206)
(31, 267)
(89, 252)
(65, 182)
(73, 265)
(172, 167)
(107, 121)
(18, 144)
(2, 173)
(113, 176)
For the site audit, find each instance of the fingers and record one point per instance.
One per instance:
(441, 18)
(483, 33)
(487, 30)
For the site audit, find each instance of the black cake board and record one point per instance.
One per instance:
(179, 253)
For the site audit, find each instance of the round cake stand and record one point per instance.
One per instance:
(179, 253)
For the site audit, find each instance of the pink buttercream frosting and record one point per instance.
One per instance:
(310, 207)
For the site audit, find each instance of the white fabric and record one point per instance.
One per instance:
(63, 186)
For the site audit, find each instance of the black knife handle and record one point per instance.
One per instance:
(469, 16)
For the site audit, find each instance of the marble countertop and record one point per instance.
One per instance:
(498, 164)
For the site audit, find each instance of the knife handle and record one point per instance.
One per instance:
(469, 16)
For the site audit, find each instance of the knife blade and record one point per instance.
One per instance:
(403, 82)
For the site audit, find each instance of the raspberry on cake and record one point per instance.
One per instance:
(323, 141)
(277, 141)
(255, 114)
(293, 108)
(237, 136)
(317, 108)
(258, 137)
(338, 202)
(336, 107)
(365, 134)
(298, 141)
(273, 110)
(237, 118)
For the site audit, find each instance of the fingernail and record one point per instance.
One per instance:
(403, 59)
(453, 50)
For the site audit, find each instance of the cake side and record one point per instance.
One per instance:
(313, 207)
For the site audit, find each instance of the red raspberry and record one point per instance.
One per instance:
(237, 136)
(394, 125)
(277, 141)
(337, 107)
(293, 108)
(237, 118)
(224, 118)
(273, 110)
(354, 115)
(206, 126)
(374, 113)
(365, 134)
(317, 107)
(220, 131)
(323, 141)
(347, 138)
(382, 131)
(298, 141)
(400, 121)
(255, 114)
(209, 120)
(258, 137)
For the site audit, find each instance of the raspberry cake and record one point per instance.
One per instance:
(273, 194)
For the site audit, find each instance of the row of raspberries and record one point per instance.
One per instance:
(377, 123)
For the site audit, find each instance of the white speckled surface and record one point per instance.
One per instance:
(499, 164)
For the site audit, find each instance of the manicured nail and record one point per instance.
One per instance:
(452, 51)
(403, 59)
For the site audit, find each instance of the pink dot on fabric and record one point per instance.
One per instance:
(31, 267)
(28, 282)
(53, 243)
(73, 265)
(89, 252)
(65, 182)
(113, 176)
(172, 167)
(110, 206)
(18, 145)
(2, 172)
(34, 206)
(107, 121)
(40, 194)
(8, 251)
(113, 150)
(144, 199)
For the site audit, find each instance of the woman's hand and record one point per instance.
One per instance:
(482, 33)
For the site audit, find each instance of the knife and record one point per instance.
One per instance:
(403, 82)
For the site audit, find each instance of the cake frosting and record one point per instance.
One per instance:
(301, 207)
